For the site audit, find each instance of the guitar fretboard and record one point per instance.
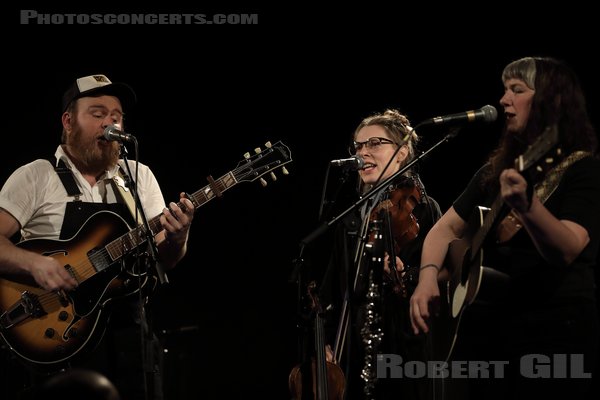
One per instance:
(249, 169)
(134, 238)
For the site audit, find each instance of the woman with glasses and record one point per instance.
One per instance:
(375, 263)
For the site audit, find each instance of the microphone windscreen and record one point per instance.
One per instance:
(489, 113)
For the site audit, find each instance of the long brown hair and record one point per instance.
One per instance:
(558, 100)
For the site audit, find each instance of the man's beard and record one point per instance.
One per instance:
(93, 158)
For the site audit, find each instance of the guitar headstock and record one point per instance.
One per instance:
(542, 154)
(262, 162)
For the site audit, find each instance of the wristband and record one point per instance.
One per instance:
(438, 268)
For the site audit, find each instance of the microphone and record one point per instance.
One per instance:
(353, 163)
(486, 114)
(111, 132)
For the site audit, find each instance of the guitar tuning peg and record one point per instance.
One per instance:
(257, 150)
(273, 177)
(268, 145)
(284, 171)
(263, 182)
(246, 155)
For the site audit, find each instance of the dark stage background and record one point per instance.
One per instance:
(305, 76)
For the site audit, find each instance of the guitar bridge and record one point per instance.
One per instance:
(29, 306)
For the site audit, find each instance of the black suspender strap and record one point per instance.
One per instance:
(67, 179)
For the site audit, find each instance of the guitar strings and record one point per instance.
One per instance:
(84, 269)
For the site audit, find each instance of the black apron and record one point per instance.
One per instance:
(120, 355)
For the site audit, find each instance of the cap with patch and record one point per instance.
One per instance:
(98, 85)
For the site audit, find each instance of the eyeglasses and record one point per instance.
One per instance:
(371, 144)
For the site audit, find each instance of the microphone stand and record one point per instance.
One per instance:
(132, 185)
(299, 262)
(324, 201)
(146, 336)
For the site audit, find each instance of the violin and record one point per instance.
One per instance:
(402, 225)
(328, 381)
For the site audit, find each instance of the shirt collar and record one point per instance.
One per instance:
(60, 154)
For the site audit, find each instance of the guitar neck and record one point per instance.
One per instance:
(134, 238)
(249, 169)
(536, 151)
(486, 225)
(200, 198)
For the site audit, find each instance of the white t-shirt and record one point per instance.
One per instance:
(36, 197)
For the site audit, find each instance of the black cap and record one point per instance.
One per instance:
(97, 85)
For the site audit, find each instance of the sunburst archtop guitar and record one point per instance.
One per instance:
(49, 328)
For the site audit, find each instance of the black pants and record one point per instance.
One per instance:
(548, 352)
(131, 361)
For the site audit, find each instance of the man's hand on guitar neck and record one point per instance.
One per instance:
(176, 223)
(176, 220)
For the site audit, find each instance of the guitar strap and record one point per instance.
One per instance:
(511, 224)
(120, 182)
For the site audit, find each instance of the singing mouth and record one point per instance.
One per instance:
(369, 165)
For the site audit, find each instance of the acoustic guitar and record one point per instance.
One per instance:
(469, 278)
